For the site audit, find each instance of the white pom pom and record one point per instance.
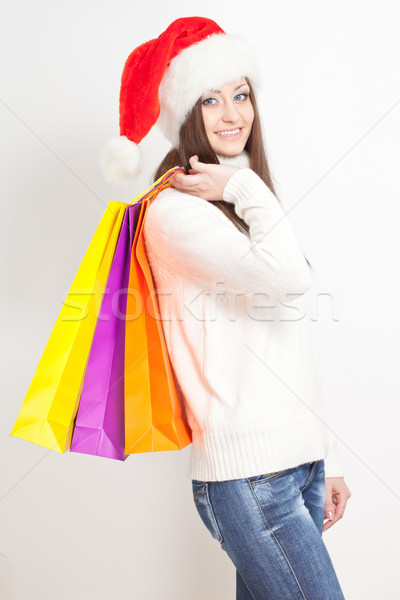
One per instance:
(120, 160)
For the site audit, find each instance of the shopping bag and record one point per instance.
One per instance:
(99, 425)
(153, 411)
(47, 414)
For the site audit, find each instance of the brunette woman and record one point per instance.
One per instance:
(233, 290)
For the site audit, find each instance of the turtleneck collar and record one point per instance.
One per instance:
(241, 160)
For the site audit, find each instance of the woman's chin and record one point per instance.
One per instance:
(228, 149)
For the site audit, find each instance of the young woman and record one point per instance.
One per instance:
(232, 285)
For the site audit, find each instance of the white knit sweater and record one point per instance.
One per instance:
(235, 311)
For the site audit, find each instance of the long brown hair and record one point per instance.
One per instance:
(193, 140)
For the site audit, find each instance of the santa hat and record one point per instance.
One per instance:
(163, 79)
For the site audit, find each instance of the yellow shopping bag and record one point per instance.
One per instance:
(47, 414)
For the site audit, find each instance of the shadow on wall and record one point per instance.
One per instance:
(5, 578)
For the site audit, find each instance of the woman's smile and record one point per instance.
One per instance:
(230, 133)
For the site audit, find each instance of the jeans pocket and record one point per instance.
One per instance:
(256, 479)
(204, 508)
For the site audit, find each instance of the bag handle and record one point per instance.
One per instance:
(162, 183)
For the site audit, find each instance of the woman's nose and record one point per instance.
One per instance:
(230, 113)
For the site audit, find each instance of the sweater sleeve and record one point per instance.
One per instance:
(332, 463)
(186, 235)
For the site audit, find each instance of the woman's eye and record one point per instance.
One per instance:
(241, 97)
(209, 101)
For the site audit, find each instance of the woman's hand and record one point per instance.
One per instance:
(205, 180)
(336, 495)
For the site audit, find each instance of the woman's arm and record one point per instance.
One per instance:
(187, 234)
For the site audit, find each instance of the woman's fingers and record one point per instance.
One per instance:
(189, 184)
(188, 181)
(336, 495)
(194, 160)
(200, 167)
(337, 514)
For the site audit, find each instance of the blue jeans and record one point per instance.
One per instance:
(270, 526)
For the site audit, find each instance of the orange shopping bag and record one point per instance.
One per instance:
(153, 415)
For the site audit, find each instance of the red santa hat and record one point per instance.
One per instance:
(162, 80)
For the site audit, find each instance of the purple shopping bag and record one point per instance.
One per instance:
(99, 426)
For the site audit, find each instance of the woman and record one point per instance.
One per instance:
(231, 282)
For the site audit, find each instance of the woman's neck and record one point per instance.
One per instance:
(241, 160)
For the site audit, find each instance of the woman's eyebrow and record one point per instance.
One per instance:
(236, 88)
(241, 85)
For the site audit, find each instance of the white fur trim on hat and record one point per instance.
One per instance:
(213, 62)
(120, 160)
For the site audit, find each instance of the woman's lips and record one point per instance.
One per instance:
(230, 134)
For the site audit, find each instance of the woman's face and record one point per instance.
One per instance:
(228, 117)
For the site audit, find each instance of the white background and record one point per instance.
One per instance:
(76, 527)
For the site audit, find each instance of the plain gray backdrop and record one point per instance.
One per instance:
(77, 527)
